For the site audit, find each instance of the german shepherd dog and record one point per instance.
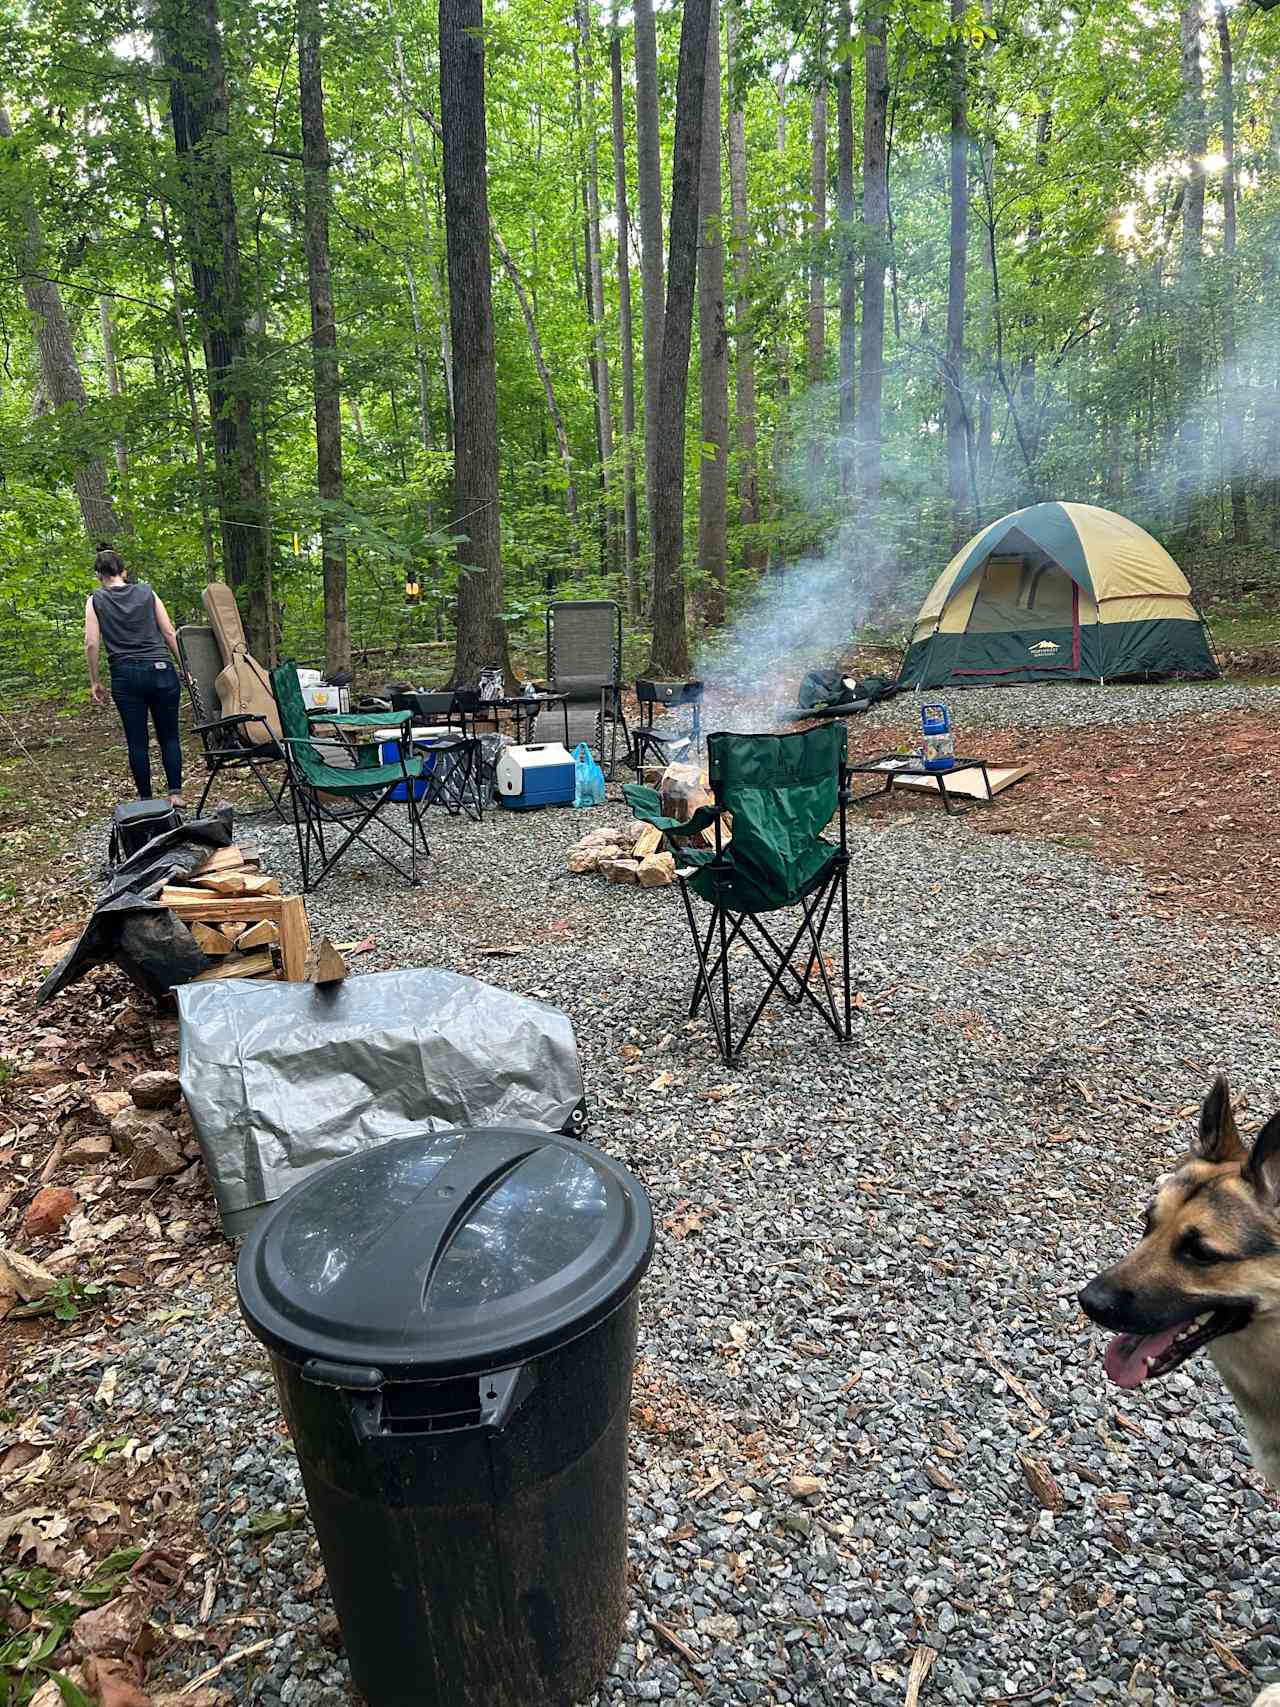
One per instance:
(1206, 1272)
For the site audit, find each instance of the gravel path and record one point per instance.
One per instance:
(866, 1275)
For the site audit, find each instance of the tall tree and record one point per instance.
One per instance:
(713, 344)
(631, 527)
(595, 297)
(1232, 430)
(954, 412)
(424, 205)
(189, 38)
(324, 337)
(743, 339)
(816, 350)
(670, 654)
(875, 219)
(847, 247)
(1195, 142)
(106, 324)
(482, 633)
(649, 177)
(60, 373)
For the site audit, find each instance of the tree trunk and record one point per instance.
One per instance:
(60, 375)
(847, 249)
(190, 42)
(114, 387)
(424, 205)
(743, 336)
(631, 526)
(1233, 428)
(816, 349)
(713, 346)
(481, 631)
(875, 217)
(953, 368)
(595, 287)
(544, 374)
(1195, 141)
(420, 366)
(670, 655)
(649, 175)
(324, 337)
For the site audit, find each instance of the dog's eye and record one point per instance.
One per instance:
(1192, 1248)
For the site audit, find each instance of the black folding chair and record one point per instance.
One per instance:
(224, 744)
(452, 758)
(661, 743)
(584, 661)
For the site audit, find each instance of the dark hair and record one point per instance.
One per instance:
(107, 562)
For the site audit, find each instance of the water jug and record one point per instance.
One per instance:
(937, 748)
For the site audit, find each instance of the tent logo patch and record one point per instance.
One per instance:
(1043, 648)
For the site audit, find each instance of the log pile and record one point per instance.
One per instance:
(238, 917)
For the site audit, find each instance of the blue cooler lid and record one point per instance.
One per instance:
(446, 1253)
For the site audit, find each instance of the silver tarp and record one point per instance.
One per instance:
(282, 1078)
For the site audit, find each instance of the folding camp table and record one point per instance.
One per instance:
(892, 766)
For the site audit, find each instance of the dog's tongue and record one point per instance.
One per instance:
(1129, 1356)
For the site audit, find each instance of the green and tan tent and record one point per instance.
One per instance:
(1057, 592)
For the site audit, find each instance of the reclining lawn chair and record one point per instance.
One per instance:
(224, 740)
(781, 791)
(584, 660)
(349, 798)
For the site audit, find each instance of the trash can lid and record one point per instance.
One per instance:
(444, 1253)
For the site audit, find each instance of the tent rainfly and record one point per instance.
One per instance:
(1057, 592)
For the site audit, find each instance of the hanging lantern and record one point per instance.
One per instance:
(412, 591)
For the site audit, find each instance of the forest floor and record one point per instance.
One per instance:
(851, 1389)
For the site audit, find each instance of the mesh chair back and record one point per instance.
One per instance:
(201, 664)
(783, 791)
(584, 646)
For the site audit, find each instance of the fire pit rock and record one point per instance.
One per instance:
(625, 854)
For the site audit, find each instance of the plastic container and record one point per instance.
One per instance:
(452, 1324)
(937, 747)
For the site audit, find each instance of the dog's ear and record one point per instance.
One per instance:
(1262, 1170)
(1218, 1140)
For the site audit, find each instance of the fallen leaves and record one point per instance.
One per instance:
(1040, 1479)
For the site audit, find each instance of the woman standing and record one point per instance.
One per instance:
(134, 625)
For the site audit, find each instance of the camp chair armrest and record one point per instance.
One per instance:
(362, 719)
(235, 722)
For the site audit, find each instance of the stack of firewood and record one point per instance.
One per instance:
(238, 916)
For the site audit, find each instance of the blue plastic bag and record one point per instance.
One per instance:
(588, 778)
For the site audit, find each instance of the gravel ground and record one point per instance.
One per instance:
(1053, 705)
(866, 1274)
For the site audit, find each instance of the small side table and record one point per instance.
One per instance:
(891, 766)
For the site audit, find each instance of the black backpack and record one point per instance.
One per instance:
(134, 823)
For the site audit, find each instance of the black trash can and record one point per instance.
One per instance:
(452, 1324)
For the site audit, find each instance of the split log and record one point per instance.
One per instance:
(211, 939)
(647, 842)
(238, 966)
(261, 935)
(324, 964)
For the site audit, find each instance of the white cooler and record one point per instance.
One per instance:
(535, 776)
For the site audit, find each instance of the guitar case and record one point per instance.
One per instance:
(243, 685)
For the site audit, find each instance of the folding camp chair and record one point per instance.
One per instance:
(224, 740)
(453, 756)
(584, 661)
(664, 744)
(349, 797)
(781, 791)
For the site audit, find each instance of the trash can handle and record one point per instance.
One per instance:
(321, 1374)
(499, 1395)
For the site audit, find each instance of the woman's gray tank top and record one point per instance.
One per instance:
(127, 618)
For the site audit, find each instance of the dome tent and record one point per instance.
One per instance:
(1057, 592)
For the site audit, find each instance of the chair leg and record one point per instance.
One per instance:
(213, 771)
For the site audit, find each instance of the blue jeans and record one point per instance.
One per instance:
(139, 687)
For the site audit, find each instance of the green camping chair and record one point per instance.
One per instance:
(781, 791)
(349, 796)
